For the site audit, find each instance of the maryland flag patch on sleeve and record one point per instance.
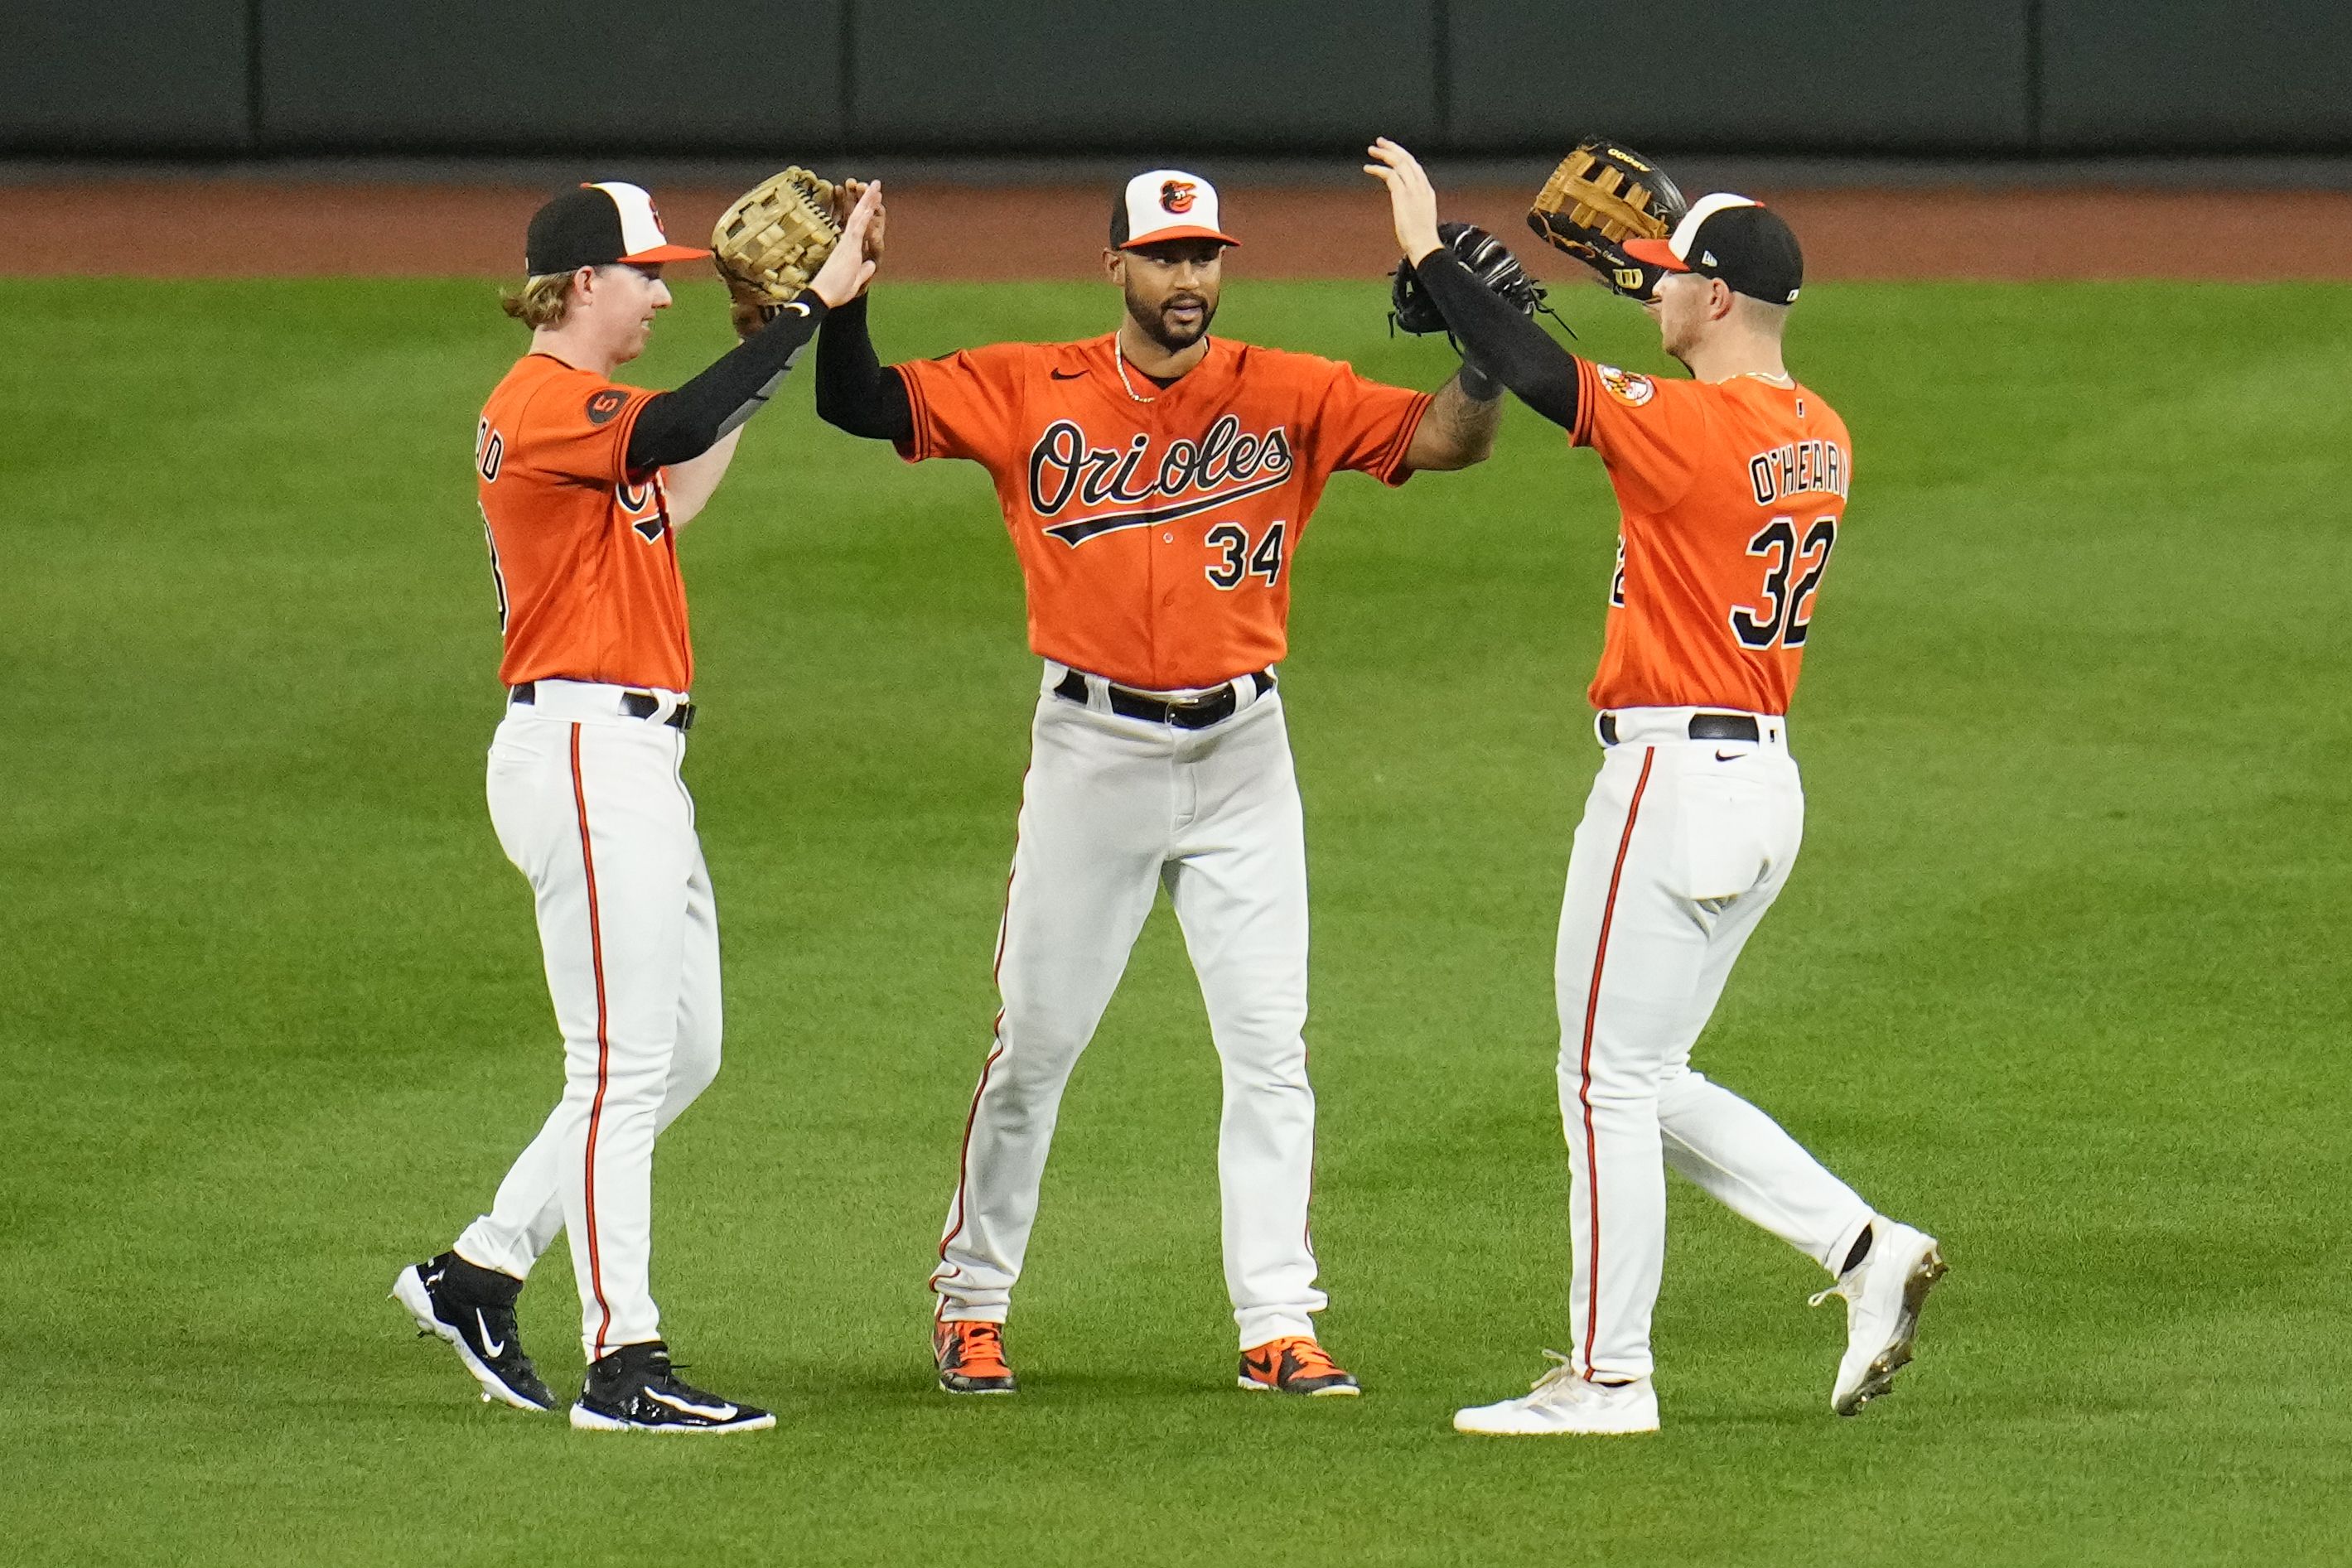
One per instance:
(1627, 388)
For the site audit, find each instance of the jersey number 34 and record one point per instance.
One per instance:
(1240, 560)
(1787, 612)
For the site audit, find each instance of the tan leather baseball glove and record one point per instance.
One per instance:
(773, 240)
(1602, 195)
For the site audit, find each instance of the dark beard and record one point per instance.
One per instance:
(1155, 326)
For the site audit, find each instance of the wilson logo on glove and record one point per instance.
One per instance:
(1601, 196)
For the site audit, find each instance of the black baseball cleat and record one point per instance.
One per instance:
(472, 1308)
(634, 1389)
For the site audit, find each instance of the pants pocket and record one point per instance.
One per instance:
(1723, 826)
(528, 778)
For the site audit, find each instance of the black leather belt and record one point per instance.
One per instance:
(636, 704)
(1198, 713)
(1703, 726)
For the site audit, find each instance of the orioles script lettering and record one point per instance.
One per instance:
(1142, 489)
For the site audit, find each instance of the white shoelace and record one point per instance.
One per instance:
(1562, 1371)
(1838, 1289)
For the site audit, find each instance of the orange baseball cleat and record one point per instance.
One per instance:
(1293, 1364)
(971, 1358)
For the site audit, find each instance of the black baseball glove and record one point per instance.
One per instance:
(1487, 259)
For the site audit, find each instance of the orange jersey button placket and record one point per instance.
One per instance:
(1165, 633)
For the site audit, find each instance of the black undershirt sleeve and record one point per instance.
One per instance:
(855, 392)
(676, 426)
(1506, 346)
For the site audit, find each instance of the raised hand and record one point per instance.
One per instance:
(1412, 201)
(850, 267)
(847, 193)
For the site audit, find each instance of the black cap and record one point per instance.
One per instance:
(596, 226)
(1744, 242)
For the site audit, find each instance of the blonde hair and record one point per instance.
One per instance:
(541, 301)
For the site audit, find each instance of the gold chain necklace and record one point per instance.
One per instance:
(1119, 358)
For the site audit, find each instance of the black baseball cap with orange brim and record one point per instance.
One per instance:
(597, 225)
(1741, 241)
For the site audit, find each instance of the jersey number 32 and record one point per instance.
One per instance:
(1786, 614)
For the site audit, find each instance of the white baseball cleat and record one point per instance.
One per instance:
(1883, 1294)
(1564, 1405)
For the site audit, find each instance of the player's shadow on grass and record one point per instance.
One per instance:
(1040, 1385)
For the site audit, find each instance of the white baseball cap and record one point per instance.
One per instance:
(1165, 205)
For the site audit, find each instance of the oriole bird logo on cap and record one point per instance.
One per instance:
(1176, 196)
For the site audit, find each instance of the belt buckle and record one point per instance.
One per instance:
(1202, 712)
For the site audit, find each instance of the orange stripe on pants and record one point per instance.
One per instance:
(603, 1042)
(1584, 1065)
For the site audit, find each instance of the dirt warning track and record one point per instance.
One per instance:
(235, 227)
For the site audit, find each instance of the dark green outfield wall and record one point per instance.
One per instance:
(1950, 76)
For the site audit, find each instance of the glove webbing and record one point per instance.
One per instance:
(1595, 203)
(772, 241)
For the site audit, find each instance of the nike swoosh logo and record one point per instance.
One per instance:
(1265, 1366)
(797, 309)
(1067, 375)
(490, 1347)
(708, 1412)
(1728, 755)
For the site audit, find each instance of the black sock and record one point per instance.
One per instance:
(1861, 1251)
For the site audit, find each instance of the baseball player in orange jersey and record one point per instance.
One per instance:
(585, 484)
(1732, 486)
(1156, 482)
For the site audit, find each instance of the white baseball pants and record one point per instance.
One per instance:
(589, 806)
(1113, 810)
(1684, 845)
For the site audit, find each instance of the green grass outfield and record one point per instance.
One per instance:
(2064, 974)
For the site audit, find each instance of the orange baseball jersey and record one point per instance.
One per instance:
(585, 563)
(1732, 494)
(1153, 536)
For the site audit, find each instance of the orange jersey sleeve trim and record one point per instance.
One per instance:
(1393, 456)
(1587, 388)
(921, 446)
